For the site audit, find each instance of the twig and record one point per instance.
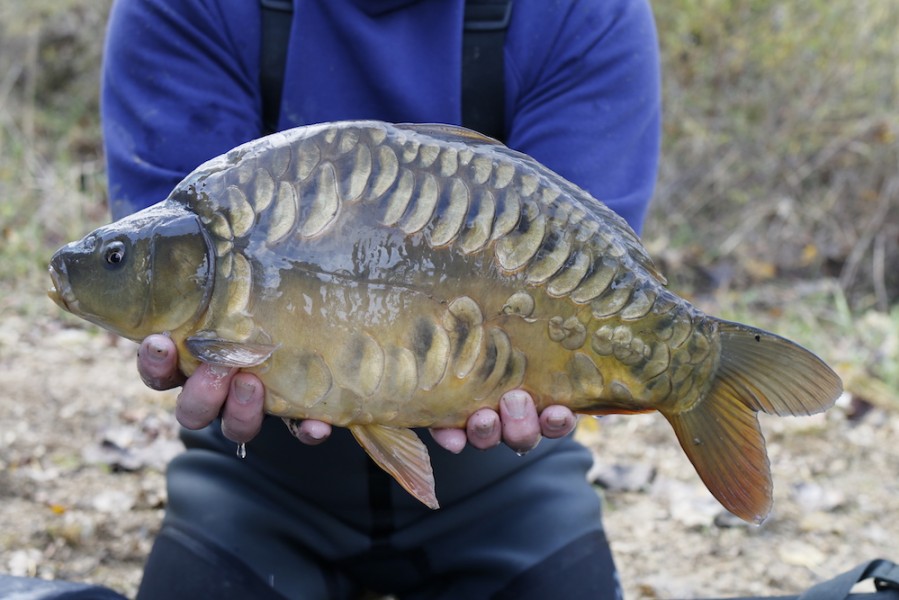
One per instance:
(7, 83)
(879, 271)
(874, 224)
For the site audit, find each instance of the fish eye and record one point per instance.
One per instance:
(114, 254)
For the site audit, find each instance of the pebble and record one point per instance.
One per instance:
(620, 477)
(23, 563)
(113, 501)
(76, 529)
(690, 505)
(800, 554)
(811, 497)
(126, 448)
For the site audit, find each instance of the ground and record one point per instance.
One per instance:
(85, 445)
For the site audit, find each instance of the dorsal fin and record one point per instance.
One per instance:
(450, 133)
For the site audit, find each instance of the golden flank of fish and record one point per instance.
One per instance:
(382, 277)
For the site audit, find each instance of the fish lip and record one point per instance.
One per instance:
(61, 292)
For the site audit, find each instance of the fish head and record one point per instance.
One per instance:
(148, 273)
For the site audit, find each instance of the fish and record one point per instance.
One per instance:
(384, 277)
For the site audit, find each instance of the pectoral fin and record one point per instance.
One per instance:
(228, 353)
(401, 453)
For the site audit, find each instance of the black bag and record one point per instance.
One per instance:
(885, 574)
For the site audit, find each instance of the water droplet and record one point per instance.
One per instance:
(241, 450)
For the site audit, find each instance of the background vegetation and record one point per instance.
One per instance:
(781, 148)
(777, 202)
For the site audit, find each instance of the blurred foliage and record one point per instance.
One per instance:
(51, 175)
(781, 146)
(51, 64)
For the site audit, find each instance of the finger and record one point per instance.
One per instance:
(520, 424)
(157, 363)
(309, 431)
(203, 395)
(450, 439)
(557, 421)
(484, 429)
(243, 412)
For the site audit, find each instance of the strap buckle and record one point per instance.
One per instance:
(488, 16)
(279, 5)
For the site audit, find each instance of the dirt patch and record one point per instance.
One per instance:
(834, 506)
(85, 445)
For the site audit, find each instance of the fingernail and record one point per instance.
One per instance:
(516, 404)
(243, 391)
(158, 353)
(557, 421)
(485, 426)
(456, 444)
(315, 431)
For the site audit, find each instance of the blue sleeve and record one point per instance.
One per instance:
(179, 86)
(583, 96)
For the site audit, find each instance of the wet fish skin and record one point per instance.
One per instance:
(383, 277)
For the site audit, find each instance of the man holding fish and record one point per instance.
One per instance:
(316, 519)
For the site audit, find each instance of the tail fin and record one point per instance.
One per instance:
(757, 371)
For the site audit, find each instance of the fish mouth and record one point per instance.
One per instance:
(61, 292)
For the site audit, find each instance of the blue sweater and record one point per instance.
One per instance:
(180, 84)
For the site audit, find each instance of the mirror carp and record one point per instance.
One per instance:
(383, 277)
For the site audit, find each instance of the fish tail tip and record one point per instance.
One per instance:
(725, 444)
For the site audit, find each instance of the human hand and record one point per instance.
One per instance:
(238, 397)
(209, 392)
(517, 424)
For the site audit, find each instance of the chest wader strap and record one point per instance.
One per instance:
(483, 80)
(276, 19)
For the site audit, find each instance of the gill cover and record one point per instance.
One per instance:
(150, 272)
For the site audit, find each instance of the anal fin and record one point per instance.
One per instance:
(401, 453)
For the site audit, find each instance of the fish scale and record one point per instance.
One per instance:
(383, 277)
